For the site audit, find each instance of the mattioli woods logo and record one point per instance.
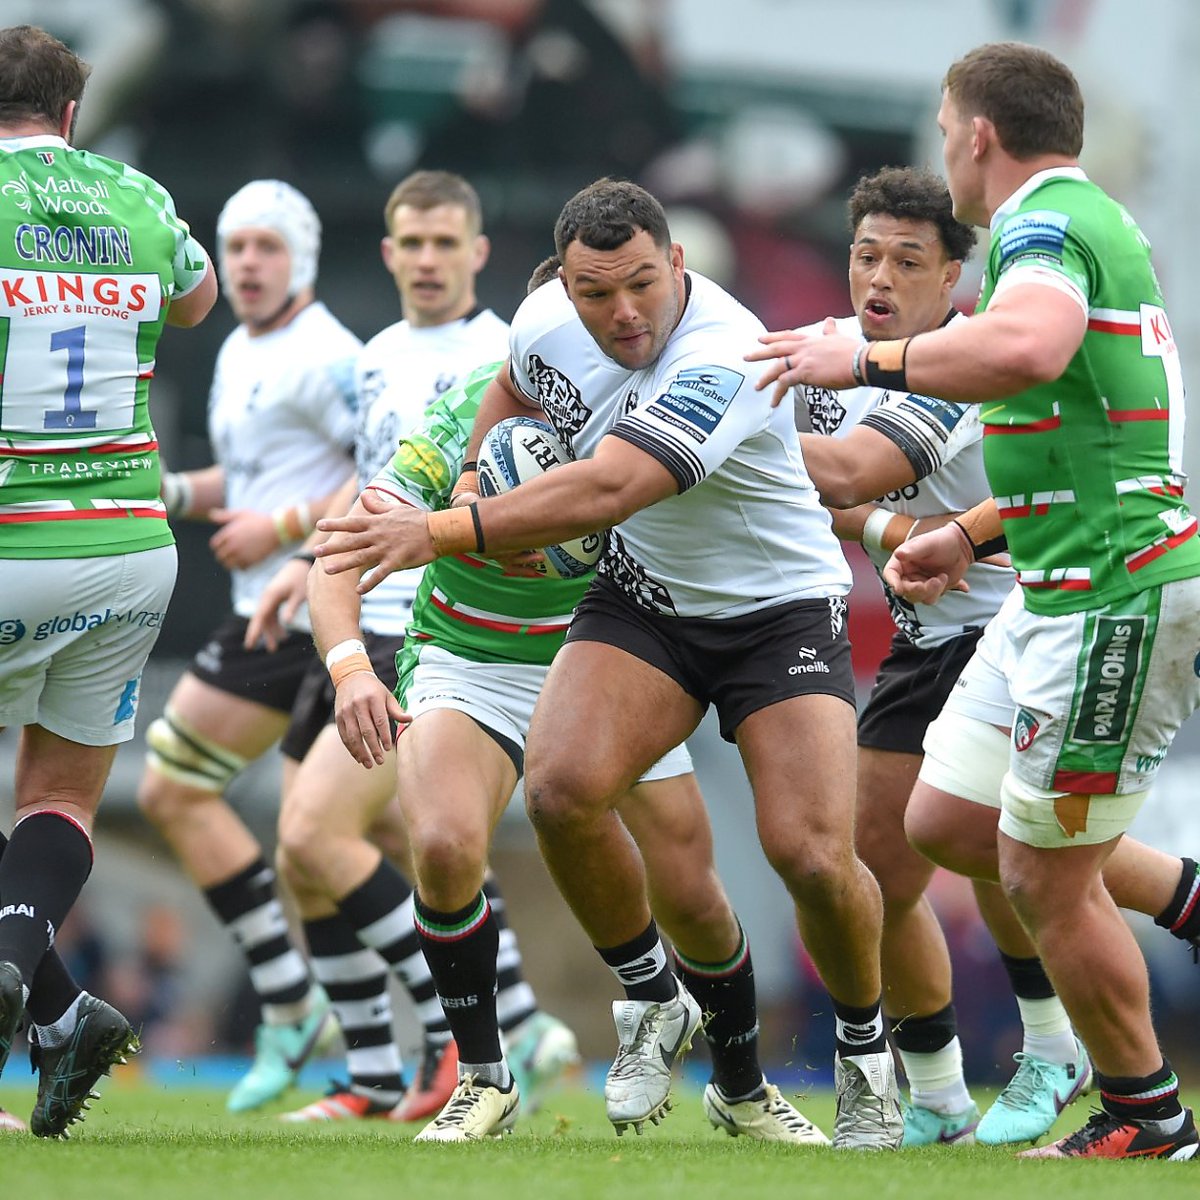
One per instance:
(1025, 729)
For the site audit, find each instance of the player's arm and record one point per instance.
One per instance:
(247, 536)
(923, 568)
(851, 470)
(363, 707)
(281, 599)
(570, 501)
(192, 495)
(188, 311)
(1028, 334)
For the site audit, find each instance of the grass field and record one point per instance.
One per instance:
(145, 1139)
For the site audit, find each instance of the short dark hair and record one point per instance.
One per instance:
(915, 194)
(39, 76)
(431, 189)
(607, 213)
(545, 271)
(1031, 98)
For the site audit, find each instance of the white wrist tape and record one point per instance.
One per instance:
(177, 493)
(873, 528)
(344, 650)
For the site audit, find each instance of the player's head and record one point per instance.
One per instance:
(545, 271)
(907, 253)
(434, 246)
(1005, 99)
(622, 272)
(40, 79)
(268, 241)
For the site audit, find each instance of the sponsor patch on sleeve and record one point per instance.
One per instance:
(422, 460)
(698, 397)
(1040, 234)
(938, 412)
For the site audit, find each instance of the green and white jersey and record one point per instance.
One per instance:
(464, 603)
(1087, 471)
(91, 255)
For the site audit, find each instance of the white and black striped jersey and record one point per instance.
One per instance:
(281, 423)
(746, 530)
(402, 370)
(944, 443)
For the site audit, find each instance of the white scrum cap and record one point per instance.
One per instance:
(273, 204)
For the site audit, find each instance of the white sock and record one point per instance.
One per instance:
(291, 1014)
(496, 1074)
(1048, 1032)
(935, 1079)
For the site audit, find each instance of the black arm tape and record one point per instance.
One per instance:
(893, 378)
(995, 545)
(479, 545)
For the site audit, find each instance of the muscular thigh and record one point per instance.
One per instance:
(885, 783)
(453, 775)
(332, 792)
(800, 757)
(604, 718)
(244, 727)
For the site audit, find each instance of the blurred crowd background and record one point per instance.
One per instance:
(751, 121)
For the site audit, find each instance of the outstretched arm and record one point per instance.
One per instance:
(1028, 334)
(572, 500)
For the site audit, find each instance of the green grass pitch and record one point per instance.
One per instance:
(144, 1139)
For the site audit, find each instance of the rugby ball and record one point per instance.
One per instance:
(521, 448)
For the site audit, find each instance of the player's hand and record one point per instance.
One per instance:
(364, 710)
(820, 359)
(924, 568)
(522, 564)
(245, 537)
(390, 537)
(278, 605)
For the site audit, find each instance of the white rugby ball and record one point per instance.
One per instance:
(522, 448)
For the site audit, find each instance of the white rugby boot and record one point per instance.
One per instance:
(651, 1035)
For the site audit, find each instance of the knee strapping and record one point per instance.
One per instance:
(965, 757)
(181, 753)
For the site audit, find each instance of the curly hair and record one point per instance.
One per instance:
(916, 194)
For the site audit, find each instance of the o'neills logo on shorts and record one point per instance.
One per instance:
(1025, 729)
(1112, 669)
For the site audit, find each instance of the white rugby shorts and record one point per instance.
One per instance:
(75, 634)
(499, 696)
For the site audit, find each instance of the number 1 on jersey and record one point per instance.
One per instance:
(72, 414)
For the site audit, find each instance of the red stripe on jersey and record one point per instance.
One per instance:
(1092, 783)
(1147, 556)
(377, 487)
(103, 448)
(1118, 416)
(1060, 585)
(488, 623)
(81, 514)
(1033, 427)
(1125, 328)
